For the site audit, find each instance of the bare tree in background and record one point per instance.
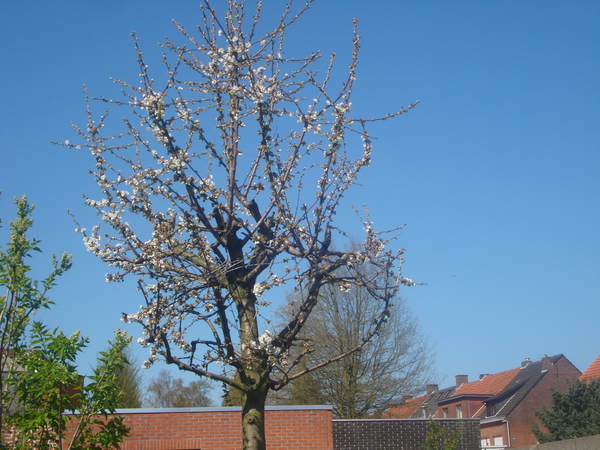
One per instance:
(397, 361)
(165, 391)
(222, 183)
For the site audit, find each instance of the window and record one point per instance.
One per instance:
(498, 441)
(491, 410)
(459, 411)
(445, 413)
(486, 442)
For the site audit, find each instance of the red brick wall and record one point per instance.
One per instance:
(294, 427)
(497, 428)
(521, 418)
(471, 407)
(301, 428)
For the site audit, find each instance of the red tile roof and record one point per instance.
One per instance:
(593, 371)
(404, 410)
(488, 385)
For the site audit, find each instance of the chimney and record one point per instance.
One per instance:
(483, 375)
(461, 379)
(431, 388)
(525, 363)
(546, 363)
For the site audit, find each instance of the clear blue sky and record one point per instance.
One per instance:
(496, 172)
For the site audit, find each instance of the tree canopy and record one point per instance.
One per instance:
(221, 183)
(573, 414)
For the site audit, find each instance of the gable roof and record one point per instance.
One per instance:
(429, 407)
(405, 409)
(527, 377)
(593, 371)
(488, 385)
(423, 407)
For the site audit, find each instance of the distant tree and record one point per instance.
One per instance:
(573, 414)
(223, 181)
(164, 391)
(397, 361)
(306, 390)
(130, 380)
(232, 396)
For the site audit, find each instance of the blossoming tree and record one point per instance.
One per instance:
(237, 164)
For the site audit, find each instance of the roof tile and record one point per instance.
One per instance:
(488, 385)
(404, 410)
(593, 371)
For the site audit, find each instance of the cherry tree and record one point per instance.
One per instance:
(219, 192)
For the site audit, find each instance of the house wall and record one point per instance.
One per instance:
(494, 429)
(452, 410)
(471, 407)
(523, 415)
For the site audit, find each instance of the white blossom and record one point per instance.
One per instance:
(266, 338)
(92, 243)
(259, 288)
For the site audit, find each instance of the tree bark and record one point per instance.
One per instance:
(253, 419)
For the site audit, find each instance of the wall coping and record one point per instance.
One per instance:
(209, 409)
(420, 419)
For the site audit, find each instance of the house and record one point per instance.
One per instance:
(452, 401)
(509, 414)
(503, 402)
(423, 407)
(468, 398)
(593, 371)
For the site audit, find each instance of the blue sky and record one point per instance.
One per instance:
(496, 172)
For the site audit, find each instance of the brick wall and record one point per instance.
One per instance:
(287, 427)
(291, 427)
(399, 434)
(301, 428)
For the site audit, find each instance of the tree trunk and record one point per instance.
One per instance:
(253, 419)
